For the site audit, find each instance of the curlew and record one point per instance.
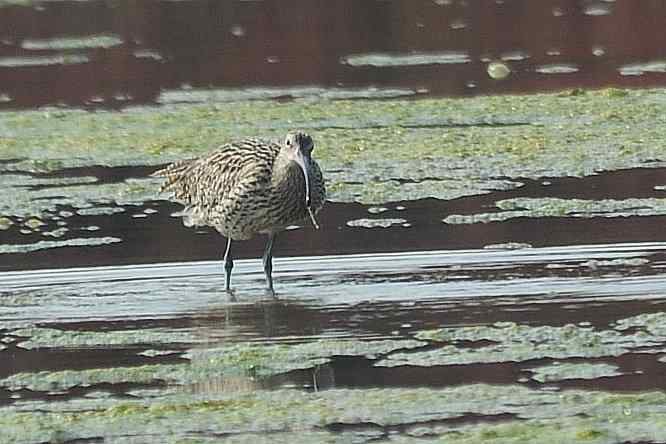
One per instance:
(247, 188)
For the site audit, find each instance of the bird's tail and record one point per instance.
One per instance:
(174, 174)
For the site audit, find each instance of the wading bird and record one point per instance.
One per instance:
(249, 187)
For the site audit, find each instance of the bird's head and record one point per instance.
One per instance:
(299, 146)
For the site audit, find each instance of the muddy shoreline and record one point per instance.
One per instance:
(162, 238)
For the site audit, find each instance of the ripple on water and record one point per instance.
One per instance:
(556, 207)
(46, 244)
(516, 55)
(638, 69)
(88, 42)
(376, 223)
(26, 61)
(598, 9)
(410, 59)
(265, 93)
(148, 54)
(559, 68)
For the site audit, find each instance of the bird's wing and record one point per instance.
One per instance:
(173, 173)
(232, 169)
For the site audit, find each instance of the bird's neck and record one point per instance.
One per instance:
(288, 176)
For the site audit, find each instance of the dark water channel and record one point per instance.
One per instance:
(401, 47)
(160, 237)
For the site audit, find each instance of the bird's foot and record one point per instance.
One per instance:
(271, 293)
(231, 293)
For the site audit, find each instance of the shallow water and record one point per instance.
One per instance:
(99, 54)
(627, 209)
(341, 322)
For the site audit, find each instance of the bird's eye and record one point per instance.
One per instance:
(288, 142)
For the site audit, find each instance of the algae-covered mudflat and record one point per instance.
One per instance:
(159, 354)
(507, 284)
(63, 168)
(373, 150)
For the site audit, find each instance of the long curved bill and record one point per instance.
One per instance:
(305, 166)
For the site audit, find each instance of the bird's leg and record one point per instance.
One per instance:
(268, 264)
(228, 265)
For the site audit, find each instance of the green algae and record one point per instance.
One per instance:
(368, 144)
(561, 371)
(66, 379)
(557, 68)
(151, 353)
(498, 70)
(241, 409)
(589, 434)
(290, 437)
(147, 54)
(651, 323)
(44, 60)
(279, 358)
(69, 43)
(507, 341)
(633, 262)
(597, 429)
(638, 69)
(556, 207)
(376, 223)
(39, 337)
(33, 223)
(205, 364)
(24, 201)
(266, 93)
(43, 245)
(510, 341)
(578, 416)
(411, 59)
(5, 223)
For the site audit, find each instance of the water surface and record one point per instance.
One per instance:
(100, 54)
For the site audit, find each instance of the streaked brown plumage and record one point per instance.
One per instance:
(249, 187)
